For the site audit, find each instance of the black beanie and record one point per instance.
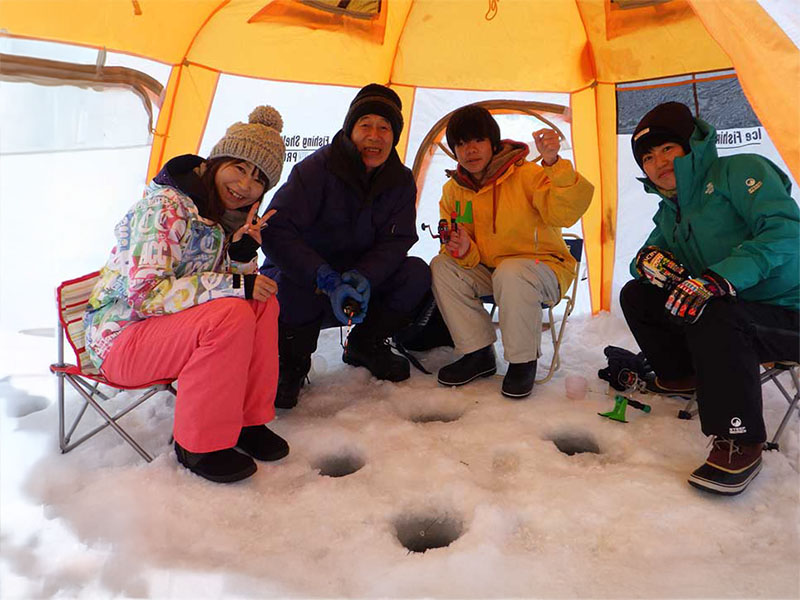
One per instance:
(472, 122)
(667, 122)
(375, 99)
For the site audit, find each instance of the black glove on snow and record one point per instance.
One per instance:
(622, 365)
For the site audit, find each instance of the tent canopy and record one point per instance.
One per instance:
(580, 47)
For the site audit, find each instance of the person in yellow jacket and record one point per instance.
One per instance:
(507, 242)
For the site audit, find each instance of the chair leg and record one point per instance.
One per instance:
(554, 362)
(63, 438)
(557, 338)
(110, 421)
(66, 438)
(793, 400)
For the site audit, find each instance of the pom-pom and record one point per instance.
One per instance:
(266, 115)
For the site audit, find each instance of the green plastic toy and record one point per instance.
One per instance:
(621, 404)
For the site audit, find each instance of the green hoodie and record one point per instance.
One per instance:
(733, 216)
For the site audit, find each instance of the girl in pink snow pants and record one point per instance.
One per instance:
(181, 298)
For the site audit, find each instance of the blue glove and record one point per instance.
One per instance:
(330, 282)
(358, 281)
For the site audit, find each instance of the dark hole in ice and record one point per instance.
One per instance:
(575, 443)
(419, 533)
(442, 416)
(339, 465)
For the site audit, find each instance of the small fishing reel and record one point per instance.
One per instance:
(444, 229)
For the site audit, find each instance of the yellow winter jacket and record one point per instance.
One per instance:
(518, 211)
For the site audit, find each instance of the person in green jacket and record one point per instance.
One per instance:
(717, 284)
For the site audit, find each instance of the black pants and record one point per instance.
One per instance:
(723, 350)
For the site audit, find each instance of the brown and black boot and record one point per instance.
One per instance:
(729, 468)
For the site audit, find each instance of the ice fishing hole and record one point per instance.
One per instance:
(435, 415)
(575, 443)
(339, 465)
(419, 533)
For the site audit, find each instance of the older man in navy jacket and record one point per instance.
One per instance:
(338, 245)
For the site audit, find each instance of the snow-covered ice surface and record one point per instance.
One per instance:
(467, 465)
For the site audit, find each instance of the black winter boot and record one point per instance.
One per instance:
(295, 347)
(427, 329)
(220, 466)
(519, 379)
(261, 443)
(480, 363)
(368, 347)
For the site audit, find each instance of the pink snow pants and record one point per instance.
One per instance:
(224, 355)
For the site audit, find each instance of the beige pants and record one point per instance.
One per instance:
(519, 287)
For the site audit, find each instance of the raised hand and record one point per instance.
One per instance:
(547, 144)
(253, 225)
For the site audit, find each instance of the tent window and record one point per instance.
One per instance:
(365, 19)
(55, 106)
(358, 9)
(624, 17)
(714, 97)
(97, 77)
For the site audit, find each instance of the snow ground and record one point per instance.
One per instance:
(528, 520)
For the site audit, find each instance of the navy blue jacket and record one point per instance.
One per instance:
(331, 211)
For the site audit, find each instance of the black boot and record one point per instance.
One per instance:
(480, 363)
(295, 347)
(368, 347)
(519, 379)
(427, 329)
(220, 466)
(261, 443)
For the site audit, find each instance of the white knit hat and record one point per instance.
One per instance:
(258, 142)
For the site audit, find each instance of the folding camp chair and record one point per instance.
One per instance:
(72, 297)
(770, 372)
(575, 245)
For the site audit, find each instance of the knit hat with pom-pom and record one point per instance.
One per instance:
(258, 142)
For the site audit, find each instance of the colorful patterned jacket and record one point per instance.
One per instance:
(167, 258)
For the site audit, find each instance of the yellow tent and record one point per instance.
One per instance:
(580, 47)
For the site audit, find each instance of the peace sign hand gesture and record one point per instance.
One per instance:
(253, 225)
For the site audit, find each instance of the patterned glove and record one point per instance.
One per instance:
(660, 267)
(330, 282)
(688, 300)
